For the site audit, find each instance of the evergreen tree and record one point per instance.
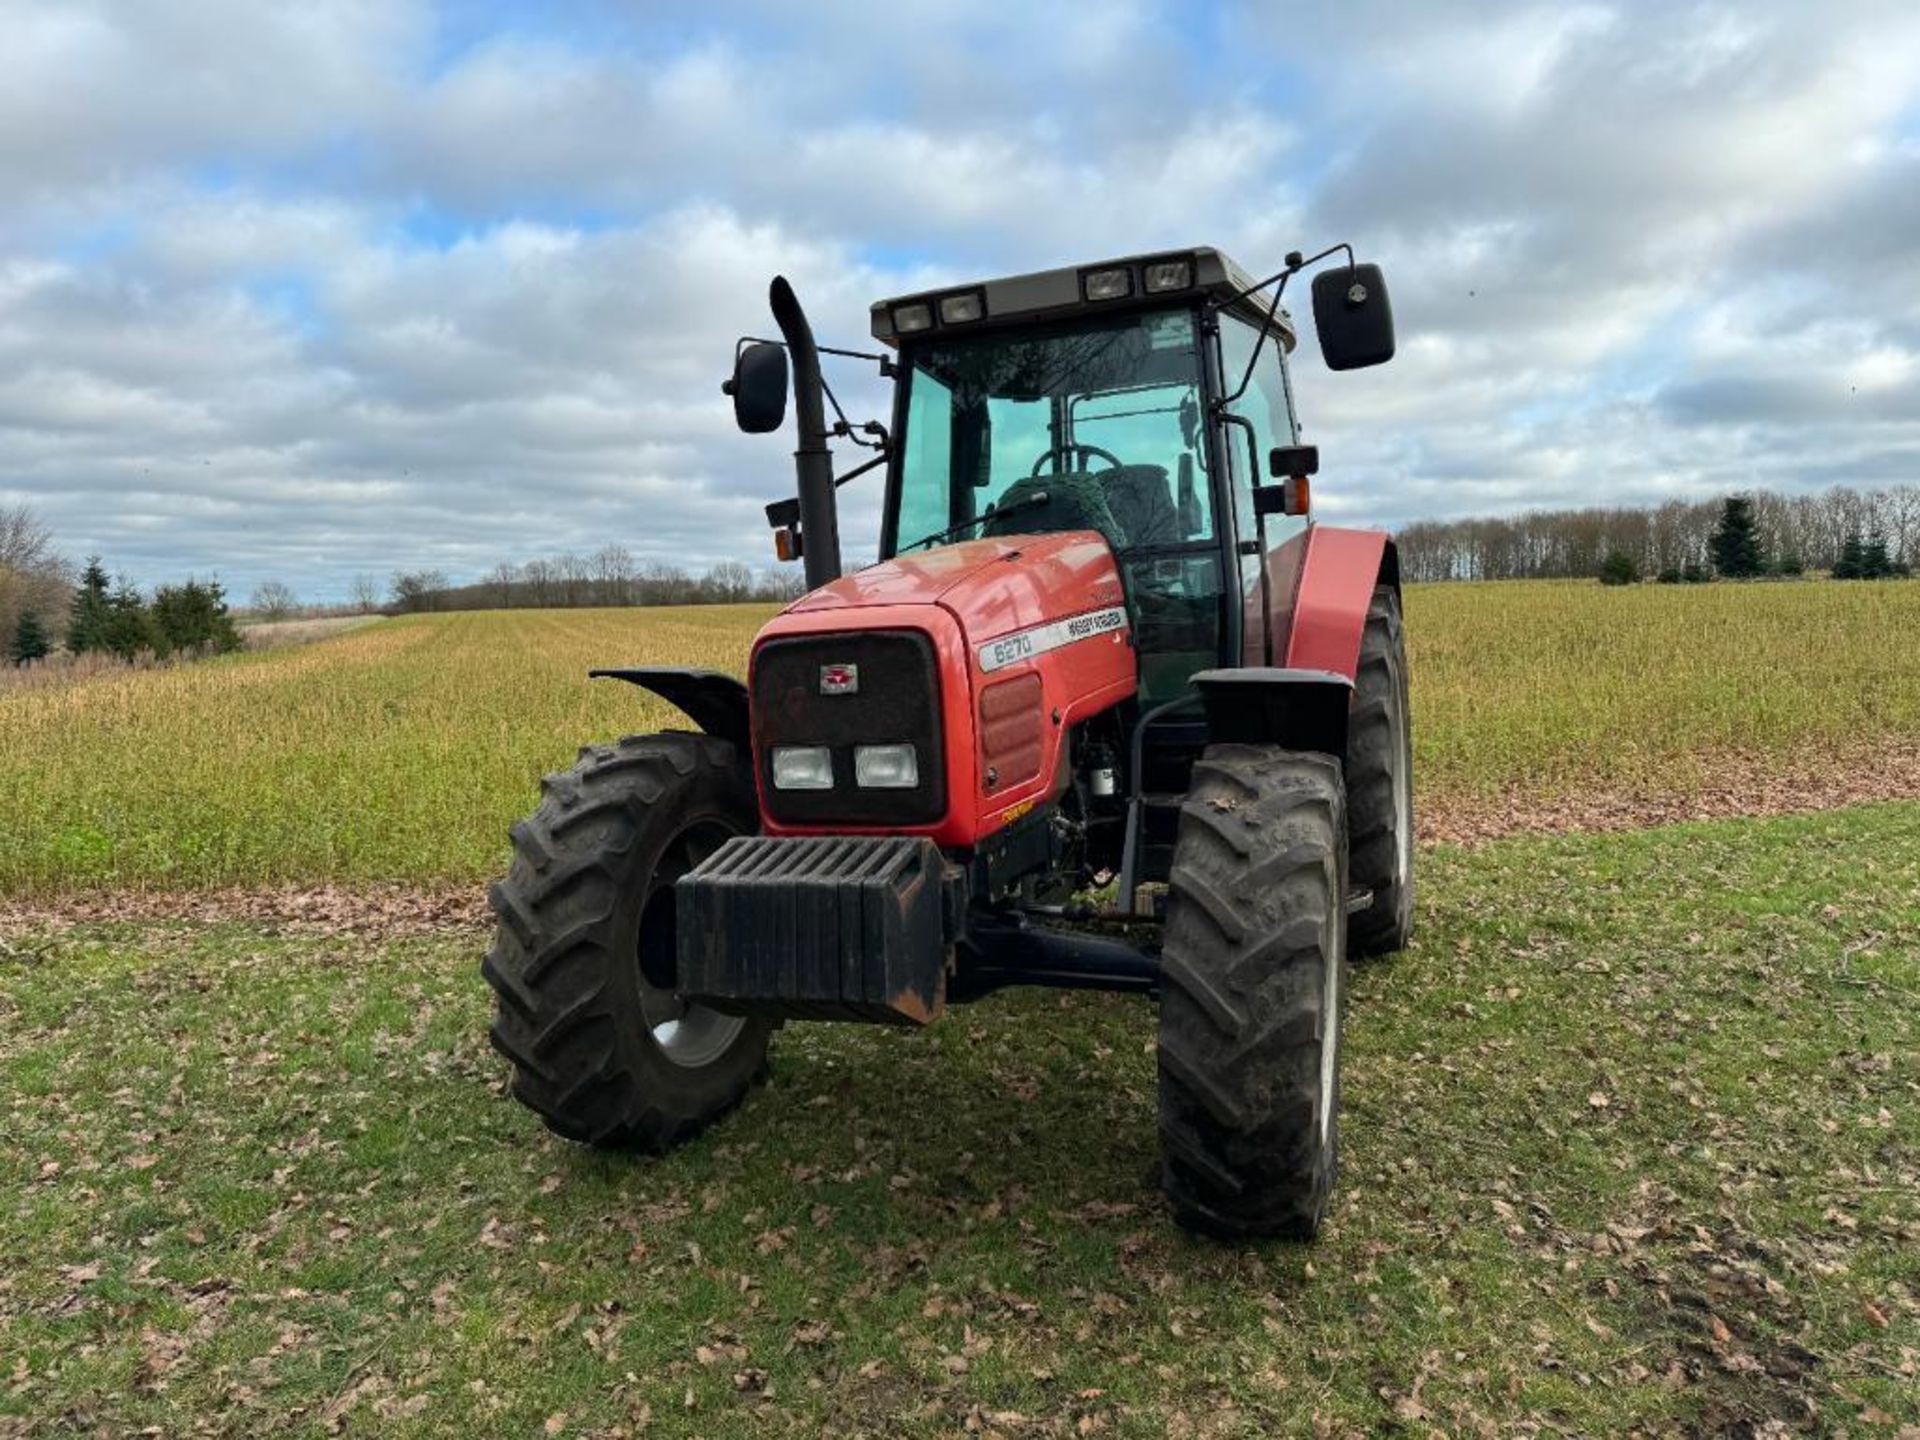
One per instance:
(1853, 559)
(1735, 545)
(87, 630)
(1618, 569)
(1789, 564)
(193, 619)
(1694, 573)
(1875, 563)
(129, 629)
(30, 640)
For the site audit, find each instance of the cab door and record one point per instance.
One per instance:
(1262, 418)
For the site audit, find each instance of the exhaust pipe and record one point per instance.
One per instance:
(812, 462)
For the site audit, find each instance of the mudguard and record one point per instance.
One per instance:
(1268, 705)
(1337, 579)
(715, 700)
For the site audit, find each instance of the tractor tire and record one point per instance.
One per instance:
(584, 959)
(1253, 980)
(1380, 783)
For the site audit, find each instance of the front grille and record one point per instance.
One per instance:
(898, 702)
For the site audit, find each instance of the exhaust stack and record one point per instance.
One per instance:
(812, 462)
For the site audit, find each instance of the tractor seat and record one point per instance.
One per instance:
(1142, 501)
(1075, 500)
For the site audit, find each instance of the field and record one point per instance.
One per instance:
(403, 751)
(1631, 1146)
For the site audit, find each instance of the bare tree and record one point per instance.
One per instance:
(730, 581)
(613, 575)
(33, 575)
(663, 584)
(500, 582)
(364, 592)
(417, 589)
(273, 600)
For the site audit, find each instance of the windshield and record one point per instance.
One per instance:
(1090, 427)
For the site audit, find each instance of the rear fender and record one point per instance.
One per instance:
(1267, 705)
(1337, 580)
(716, 701)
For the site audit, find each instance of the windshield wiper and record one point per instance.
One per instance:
(994, 512)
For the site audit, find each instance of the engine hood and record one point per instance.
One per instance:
(917, 579)
(991, 586)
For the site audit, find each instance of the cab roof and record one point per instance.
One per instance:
(1059, 294)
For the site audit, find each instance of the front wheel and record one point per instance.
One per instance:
(584, 961)
(1252, 970)
(1380, 782)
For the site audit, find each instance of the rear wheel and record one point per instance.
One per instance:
(1252, 969)
(1380, 782)
(584, 960)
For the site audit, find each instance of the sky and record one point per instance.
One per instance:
(300, 292)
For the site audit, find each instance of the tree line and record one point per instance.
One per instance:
(1794, 532)
(43, 607)
(609, 576)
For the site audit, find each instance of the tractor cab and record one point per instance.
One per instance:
(1108, 711)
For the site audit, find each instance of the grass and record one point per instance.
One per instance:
(403, 751)
(1631, 1142)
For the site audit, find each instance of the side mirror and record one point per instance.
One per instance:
(1286, 461)
(758, 387)
(1353, 316)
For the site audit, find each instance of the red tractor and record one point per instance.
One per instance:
(1110, 712)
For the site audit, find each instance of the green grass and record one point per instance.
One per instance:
(1631, 1141)
(403, 752)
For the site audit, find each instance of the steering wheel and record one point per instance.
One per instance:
(1077, 448)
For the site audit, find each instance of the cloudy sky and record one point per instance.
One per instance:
(301, 291)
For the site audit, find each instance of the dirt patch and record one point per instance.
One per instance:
(389, 911)
(1742, 785)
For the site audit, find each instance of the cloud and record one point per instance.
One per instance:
(300, 292)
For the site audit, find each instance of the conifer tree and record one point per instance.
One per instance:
(92, 608)
(30, 640)
(1735, 545)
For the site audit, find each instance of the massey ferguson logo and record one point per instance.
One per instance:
(839, 679)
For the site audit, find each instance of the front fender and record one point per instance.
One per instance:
(1337, 579)
(715, 700)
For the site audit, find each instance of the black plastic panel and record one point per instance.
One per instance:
(898, 702)
(830, 927)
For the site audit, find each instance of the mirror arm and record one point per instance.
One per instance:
(1295, 264)
(860, 470)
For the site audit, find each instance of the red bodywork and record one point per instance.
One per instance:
(964, 598)
(1004, 727)
(1321, 582)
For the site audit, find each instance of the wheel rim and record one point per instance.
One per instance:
(1329, 1030)
(1403, 808)
(687, 1035)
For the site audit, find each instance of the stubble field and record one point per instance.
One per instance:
(404, 750)
(1631, 1135)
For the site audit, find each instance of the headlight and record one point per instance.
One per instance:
(959, 309)
(1107, 284)
(909, 318)
(802, 767)
(1168, 275)
(885, 767)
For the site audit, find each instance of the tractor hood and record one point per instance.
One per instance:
(917, 579)
(991, 586)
